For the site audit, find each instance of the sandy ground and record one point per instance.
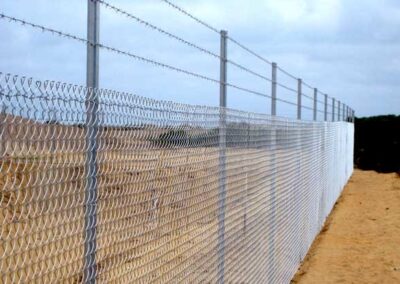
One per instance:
(360, 242)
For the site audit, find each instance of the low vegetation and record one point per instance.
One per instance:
(377, 143)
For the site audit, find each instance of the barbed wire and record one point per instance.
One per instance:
(307, 107)
(241, 67)
(228, 37)
(286, 87)
(157, 63)
(249, 50)
(307, 85)
(181, 10)
(323, 94)
(156, 28)
(287, 73)
(129, 54)
(191, 16)
(303, 83)
(164, 65)
(44, 29)
(307, 96)
(286, 101)
(105, 47)
(247, 90)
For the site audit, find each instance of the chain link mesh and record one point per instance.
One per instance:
(158, 178)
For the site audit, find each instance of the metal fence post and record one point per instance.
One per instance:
(222, 159)
(326, 107)
(273, 90)
(299, 91)
(348, 114)
(272, 228)
(338, 112)
(272, 149)
(333, 109)
(92, 81)
(315, 104)
(343, 111)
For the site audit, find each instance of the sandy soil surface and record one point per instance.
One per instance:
(360, 242)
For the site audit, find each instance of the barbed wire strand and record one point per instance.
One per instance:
(307, 85)
(215, 30)
(126, 53)
(286, 101)
(307, 96)
(112, 49)
(241, 67)
(286, 87)
(323, 94)
(287, 73)
(249, 50)
(247, 90)
(181, 10)
(156, 28)
(43, 28)
(162, 31)
(151, 61)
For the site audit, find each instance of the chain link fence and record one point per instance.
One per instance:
(182, 193)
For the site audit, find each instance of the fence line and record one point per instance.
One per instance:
(136, 189)
(247, 49)
(174, 68)
(182, 195)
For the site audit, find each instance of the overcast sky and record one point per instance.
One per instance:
(349, 49)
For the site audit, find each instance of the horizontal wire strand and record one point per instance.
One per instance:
(112, 49)
(241, 67)
(156, 28)
(249, 50)
(181, 10)
(129, 54)
(164, 65)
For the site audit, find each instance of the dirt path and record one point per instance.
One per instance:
(360, 242)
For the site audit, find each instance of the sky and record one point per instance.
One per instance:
(349, 50)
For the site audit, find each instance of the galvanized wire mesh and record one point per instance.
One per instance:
(158, 214)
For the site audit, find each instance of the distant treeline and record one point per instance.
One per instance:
(377, 143)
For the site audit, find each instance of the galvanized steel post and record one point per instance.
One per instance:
(326, 107)
(299, 92)
(272, 228)
(333, 109)
(273, 90)
(92, 81)
(343, 112)
(315, 104)
(222, 158)
(272, 148)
